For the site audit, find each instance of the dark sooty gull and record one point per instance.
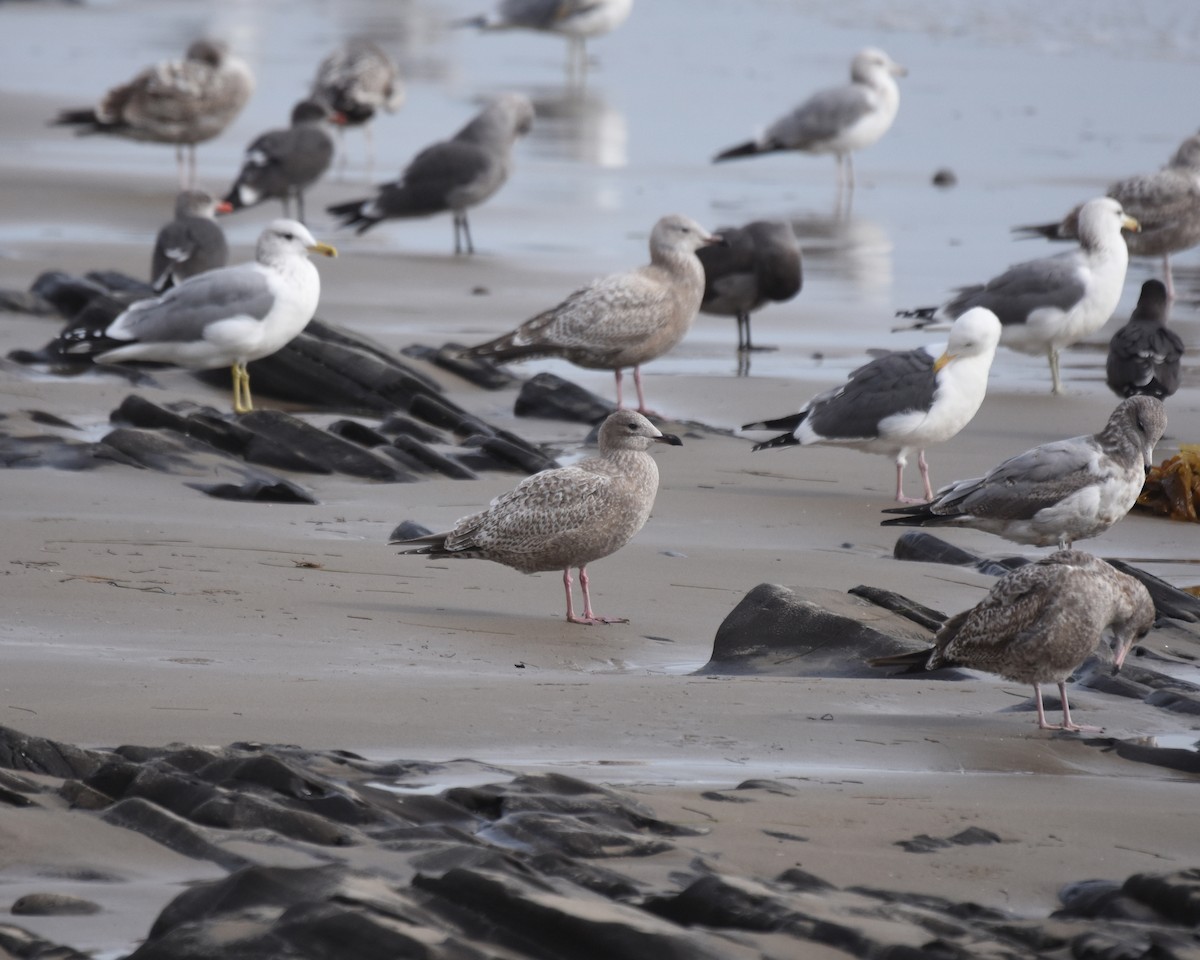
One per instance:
(568, 516)
(902, 401)
(452, 175)
(1144, 356)
(183, 102)
(224, 317)
(757, 264)
(1166, 204)
(282, 164)
(1056, 493)
(192, 243)
(356, 81)
(1045, 305)
(838, 120)
(622, 320)
(1039, 623)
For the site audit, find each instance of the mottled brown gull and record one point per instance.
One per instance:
(565, 517)
(192, 243)
(1045, 305)
(357, 80)
(1039, 622)
(622, 320)
(838, 120)
(183, 102)
(1056, 493)
(900, 402)
(1144, 356)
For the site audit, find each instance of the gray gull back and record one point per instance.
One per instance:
(1144, 356)
(192, 243)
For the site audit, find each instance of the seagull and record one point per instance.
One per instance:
(757, 264)
(565, 517)
(1059, 492)
(1165, 203)
(1045, 305)
(837, 120)
(622, 320)
(224, 317)
(282, 164)
(183, 102)
(191, 243)
(900, 402)
(1038, 623)
(453, 175)
(357, 80)
(1143, 356)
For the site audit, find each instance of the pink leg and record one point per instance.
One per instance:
(617, 374)
(588, 616)
(1067, 724)
(924, 467)
(1167, 276)
(901, 463)
(642, 408)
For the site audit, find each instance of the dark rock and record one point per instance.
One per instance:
(171, 831)
(54, 905)
(921, 615)
(550, 397)
(1102, 899)
(432, 459)
(945, 178)
(409, 427)
(926, 548)
(82, 797)
(15, 942)
(409, 530)
(358, 433)
(333, 453)
(121, 285)
(247, 812)
(1169, 601)
(483, 373)
(923, 843)
(521, 455)
(22, 752)
(716, 902)
(257, 491)
(438, 412)
(803, 882)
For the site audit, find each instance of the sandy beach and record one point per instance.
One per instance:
(139, 611)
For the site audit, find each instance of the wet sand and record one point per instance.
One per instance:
(139, 611)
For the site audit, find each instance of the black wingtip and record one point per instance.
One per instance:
(747, 149)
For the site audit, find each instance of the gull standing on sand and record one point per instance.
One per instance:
(1165, 203)
(192, 243)
(282, 164)
(902, 401)
(1059, 492)
(183, 102)
(454, 174)
(568, 516)
(225, 317)
(1045, 305)
(837, 120)
(1144, 356)
(357, 80)
(1039, 623)
(622, 320)
(757, 264)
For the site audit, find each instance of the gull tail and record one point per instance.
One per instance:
(1050, 231)
(916, 515)
(748, 149)
(85, 120)
(352, 215)
(788, 423)
(913, 661)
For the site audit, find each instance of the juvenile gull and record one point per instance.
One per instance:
(282, 164)
(1045, 305)
(192, 243)
(1165, 203)
(454, 174)
(224, 317)
(902, 401)
(357, 80)
(837, 120)
(1039, 623)
(1056, 493)
(566, 517)
(1144, 356)
(757, 264)
(622, 320)
(183, 102)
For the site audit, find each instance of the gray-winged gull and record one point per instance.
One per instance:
(622, 320)
(1039, 622)
(1166, 204)
(356, 81)
(838, 120)
(282, 164)
(1056, 493)
(1144, 356)
(192, 243)
(757, 264)
(183, 102)
(568, 516)
(900, 402)
(454, 174)
(1051, 303)
(224, 317)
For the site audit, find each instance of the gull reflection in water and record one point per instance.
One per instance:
(578, 124)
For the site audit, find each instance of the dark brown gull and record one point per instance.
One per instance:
(1144, 356)
(622, 320)
(1059, 492)
(1166, 204)
(192, 243)
(838, 120)
(452, 175)
(282, 164)
(356, 81)
(565, 517)
(183, 102)
(757, 264)
(900, 402)
(222, 318)
(1039, 623)
(1048, 304)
